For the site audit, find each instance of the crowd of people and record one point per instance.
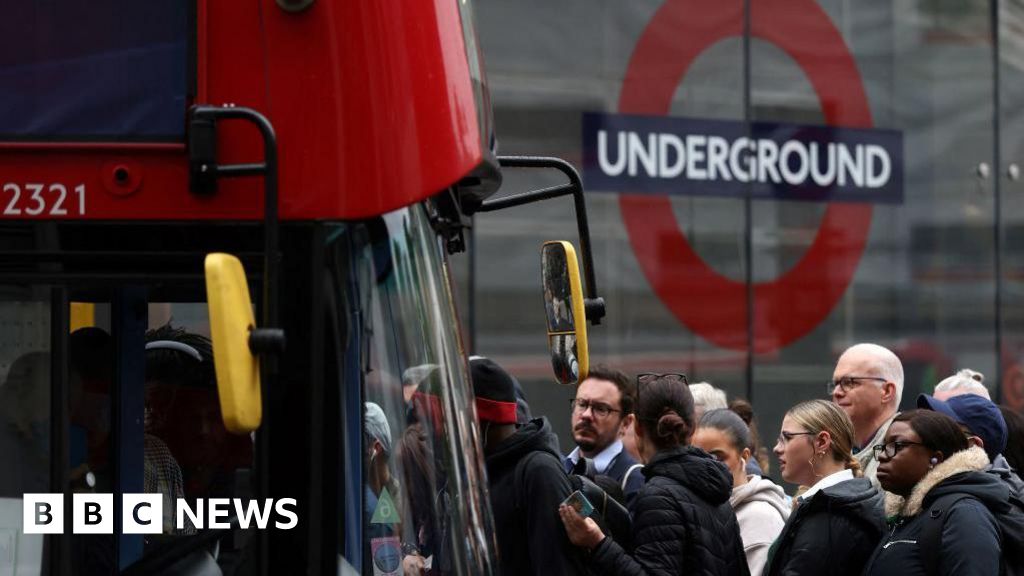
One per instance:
(927, 491)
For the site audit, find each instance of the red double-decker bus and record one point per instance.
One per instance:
(329, 154)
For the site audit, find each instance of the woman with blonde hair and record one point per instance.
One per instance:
(839, 519)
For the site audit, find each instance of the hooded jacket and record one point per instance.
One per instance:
(832, 533)
(682, 521)
(1001, 468)
(530, 535)
(761, 510)
(970, 542)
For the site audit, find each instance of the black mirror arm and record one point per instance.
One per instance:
(593, 303)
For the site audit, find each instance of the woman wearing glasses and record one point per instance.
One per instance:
(682, 521)
(934, 483)
(838, 520)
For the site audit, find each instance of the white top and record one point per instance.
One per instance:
(603, 458)
(830, 480)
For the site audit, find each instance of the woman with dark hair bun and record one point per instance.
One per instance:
(938, 501)
(682, 520)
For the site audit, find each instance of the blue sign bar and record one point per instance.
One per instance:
(686, 156)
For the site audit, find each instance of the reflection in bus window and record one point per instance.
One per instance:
(412, 369)
(24, 421)
(24, 426)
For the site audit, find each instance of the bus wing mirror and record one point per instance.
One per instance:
(231, 322)
(565, 312)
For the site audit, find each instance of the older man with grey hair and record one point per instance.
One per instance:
(707, 398)
(868, 384)
(965, 381)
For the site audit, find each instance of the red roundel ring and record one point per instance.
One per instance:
(707, 302)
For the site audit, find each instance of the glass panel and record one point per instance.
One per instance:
(924, 284)
(424, 494)
(125, 63)
(1011, 117)
(576, 61)
(188, 453)
(24, 419)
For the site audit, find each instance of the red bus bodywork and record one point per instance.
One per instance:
(372, 103)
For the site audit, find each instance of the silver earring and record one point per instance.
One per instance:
(933, 461)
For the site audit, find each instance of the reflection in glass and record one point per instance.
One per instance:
(424, 507)
(557, 289)
(563, 358)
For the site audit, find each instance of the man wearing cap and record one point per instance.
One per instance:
(985, 426)
(380, 484)
(867, 384)
(525, 477)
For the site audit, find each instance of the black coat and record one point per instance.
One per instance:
(682, 522)
(834, 532)
(530, 535)
(970, 539)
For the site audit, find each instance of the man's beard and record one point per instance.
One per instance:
(586, 445)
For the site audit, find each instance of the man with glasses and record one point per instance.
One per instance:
(601, 410)
(868, 384)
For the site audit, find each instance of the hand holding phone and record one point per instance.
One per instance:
(578, 502)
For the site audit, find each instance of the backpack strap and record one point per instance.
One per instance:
(625, 477)
(929, 541)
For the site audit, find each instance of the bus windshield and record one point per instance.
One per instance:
(423, 492)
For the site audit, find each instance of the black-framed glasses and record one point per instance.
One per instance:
(598, 409)
(647, 377)
(785, 437)
(848, 383)
(891, 448)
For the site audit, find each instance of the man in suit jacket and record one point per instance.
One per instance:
(603, 406)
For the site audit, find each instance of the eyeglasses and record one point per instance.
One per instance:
(848, 383)
(785, 437)
(891, 448)
(598, 409)
(648, 377)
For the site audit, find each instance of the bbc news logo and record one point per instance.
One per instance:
(144, 513)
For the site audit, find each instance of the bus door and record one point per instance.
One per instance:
(107, 387)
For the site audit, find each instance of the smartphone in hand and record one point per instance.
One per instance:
(579, 503)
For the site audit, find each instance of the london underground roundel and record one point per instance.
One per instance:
(707, 302)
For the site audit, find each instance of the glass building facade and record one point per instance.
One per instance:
(760, 296)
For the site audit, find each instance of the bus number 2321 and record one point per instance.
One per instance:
(42, 200)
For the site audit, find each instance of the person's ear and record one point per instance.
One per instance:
(823, 442)
(745, 455)
(627, 421)
(976, 441)
(888, 392)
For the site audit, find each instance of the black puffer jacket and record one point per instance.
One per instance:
(970, 538)
(682, 522)
(530, 534)
(834, 532)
